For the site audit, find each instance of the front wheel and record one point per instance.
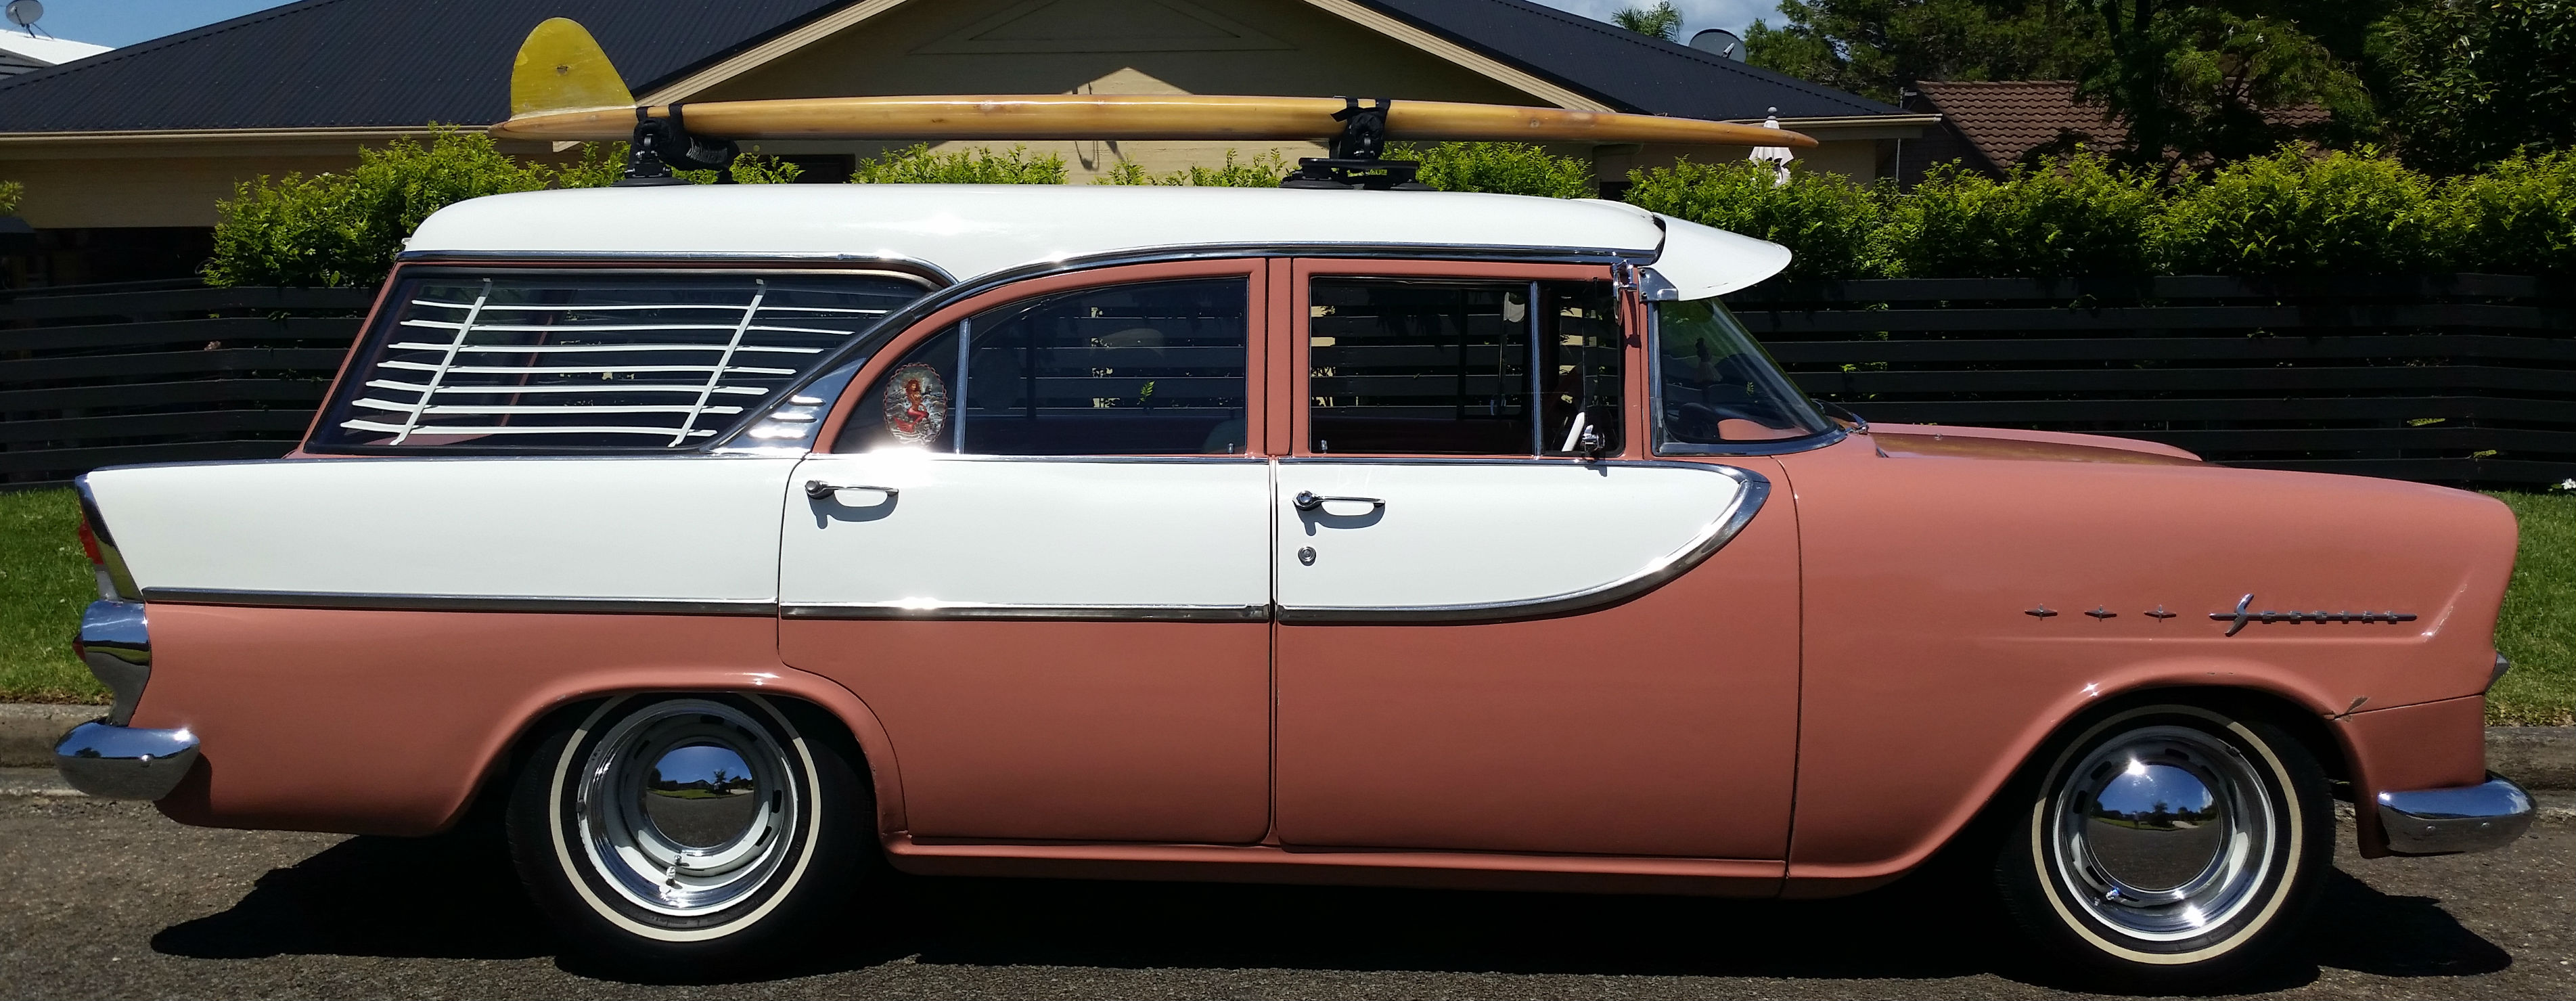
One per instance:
(682, 833)
(2169, 846)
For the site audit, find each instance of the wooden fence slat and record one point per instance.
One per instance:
(194, 422)
(119, 455)
(197, 331)
(171, 363)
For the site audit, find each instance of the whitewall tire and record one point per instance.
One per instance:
(690, 831)
(2168, 846)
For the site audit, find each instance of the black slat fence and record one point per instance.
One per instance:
(106, 375)
(2445, 378)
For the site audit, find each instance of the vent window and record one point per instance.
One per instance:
(479, 362)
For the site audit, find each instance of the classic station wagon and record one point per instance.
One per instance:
(730, 539)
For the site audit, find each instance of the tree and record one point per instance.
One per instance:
(2194, 81)
(1660, 20)
(2469, 83)
(1876, 48)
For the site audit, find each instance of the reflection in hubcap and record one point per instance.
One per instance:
(701, 795)
(686, 806)
(2163, 832)
(2154, 827)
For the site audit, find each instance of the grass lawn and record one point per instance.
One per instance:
(2539, 626)
(45, 582)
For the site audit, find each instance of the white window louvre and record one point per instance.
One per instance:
(606, 359)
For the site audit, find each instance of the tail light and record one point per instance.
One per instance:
(115, 582)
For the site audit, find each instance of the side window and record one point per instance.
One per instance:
(1716, 387)
(1156, 368)
(1453, 368)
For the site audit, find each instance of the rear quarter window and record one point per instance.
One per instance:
(629, 361)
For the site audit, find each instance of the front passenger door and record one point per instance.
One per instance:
(1496, 634)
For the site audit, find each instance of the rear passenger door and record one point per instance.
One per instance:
(1502, 626)
(1039, 551)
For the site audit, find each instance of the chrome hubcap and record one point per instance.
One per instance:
(686, 806)
(2164, 832)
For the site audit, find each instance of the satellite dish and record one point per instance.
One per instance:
(1717, 40)
(24, 13)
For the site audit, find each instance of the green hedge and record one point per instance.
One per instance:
(2294, 212)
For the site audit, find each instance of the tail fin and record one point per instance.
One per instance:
(561, 68)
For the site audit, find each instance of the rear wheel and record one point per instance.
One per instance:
(683, 832)
(2169, 845)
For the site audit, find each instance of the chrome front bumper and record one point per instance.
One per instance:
(122, 762)
(2474, 818)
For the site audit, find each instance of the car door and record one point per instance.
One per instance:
(1502, 625)
(1038, 548)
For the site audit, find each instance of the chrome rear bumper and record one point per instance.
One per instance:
(121, 762)
(2474, 818)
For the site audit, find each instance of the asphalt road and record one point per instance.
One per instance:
(111, 900)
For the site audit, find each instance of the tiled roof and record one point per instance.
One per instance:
(2004, 119)
(1627, 70)
(327, 63)
(332, 63)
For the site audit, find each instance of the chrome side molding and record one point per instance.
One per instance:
(117, 762)
(2474, 818)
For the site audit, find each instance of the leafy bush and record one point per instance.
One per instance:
(917, 164)
(2293, 213)
(1262, 171)
(344, 229)
(11, 193)
(1825, 220)
(2084, 217)
(1502, 168)
(2517, 217)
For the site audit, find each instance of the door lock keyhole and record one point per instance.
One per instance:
(1306, 555)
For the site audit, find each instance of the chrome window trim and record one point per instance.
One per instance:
(370, 601)
(883, 611)
(905, 318)
(930, 275)
(1646, 579)
(1655, 409)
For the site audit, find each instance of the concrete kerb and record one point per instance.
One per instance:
(28, 731)
(2539, 757)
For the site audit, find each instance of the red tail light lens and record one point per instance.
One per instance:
(89, 544)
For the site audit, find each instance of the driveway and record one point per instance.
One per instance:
(112, 900)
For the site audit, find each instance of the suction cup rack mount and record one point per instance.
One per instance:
(661, 145)
(1358, 155)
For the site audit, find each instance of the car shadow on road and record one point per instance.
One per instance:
(457, 898)
(450, 897)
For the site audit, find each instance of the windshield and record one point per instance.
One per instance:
(1715, 386)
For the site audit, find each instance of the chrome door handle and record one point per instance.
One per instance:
(1309, 501)
(819, 490)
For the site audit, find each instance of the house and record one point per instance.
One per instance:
(1987, 126)
(26, 52)
(133, 149)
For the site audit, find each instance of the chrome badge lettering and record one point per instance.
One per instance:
(2242, 615)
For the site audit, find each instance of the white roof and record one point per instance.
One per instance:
(972, 230)
(49, 51)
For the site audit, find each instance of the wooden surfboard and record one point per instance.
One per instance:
(562, 88)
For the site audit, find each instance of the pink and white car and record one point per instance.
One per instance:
(727, 540)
